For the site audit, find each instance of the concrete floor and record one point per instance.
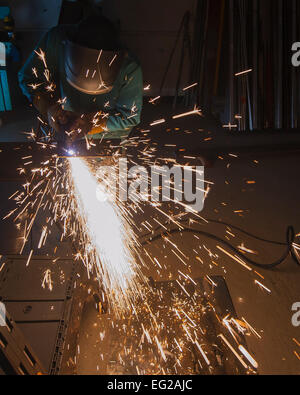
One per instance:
(269, 206)
(272, 205)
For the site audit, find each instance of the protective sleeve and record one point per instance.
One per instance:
(38, 74)
(127, 113)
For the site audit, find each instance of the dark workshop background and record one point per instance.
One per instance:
(215, 39)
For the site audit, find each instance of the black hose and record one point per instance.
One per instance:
(290, 238)
(230, 226)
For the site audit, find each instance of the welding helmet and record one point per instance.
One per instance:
(91, 71)
(93, 56)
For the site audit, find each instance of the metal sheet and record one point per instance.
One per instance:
(25, 283)
(42, 338)
(35, 311)
(101, 357)
(40, 313)
(11, 243)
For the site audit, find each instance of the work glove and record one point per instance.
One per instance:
(80, 126)
(59, 119)
(86, 125)
(51, 112)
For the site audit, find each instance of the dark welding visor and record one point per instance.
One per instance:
(92, 71)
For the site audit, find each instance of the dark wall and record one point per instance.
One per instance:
(149, 28)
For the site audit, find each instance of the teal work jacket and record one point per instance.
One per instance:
(122, 106)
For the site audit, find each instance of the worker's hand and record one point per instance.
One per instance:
(99, 124)
(42, 102)
(79, 127)
(86, 125)
(58, 119)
